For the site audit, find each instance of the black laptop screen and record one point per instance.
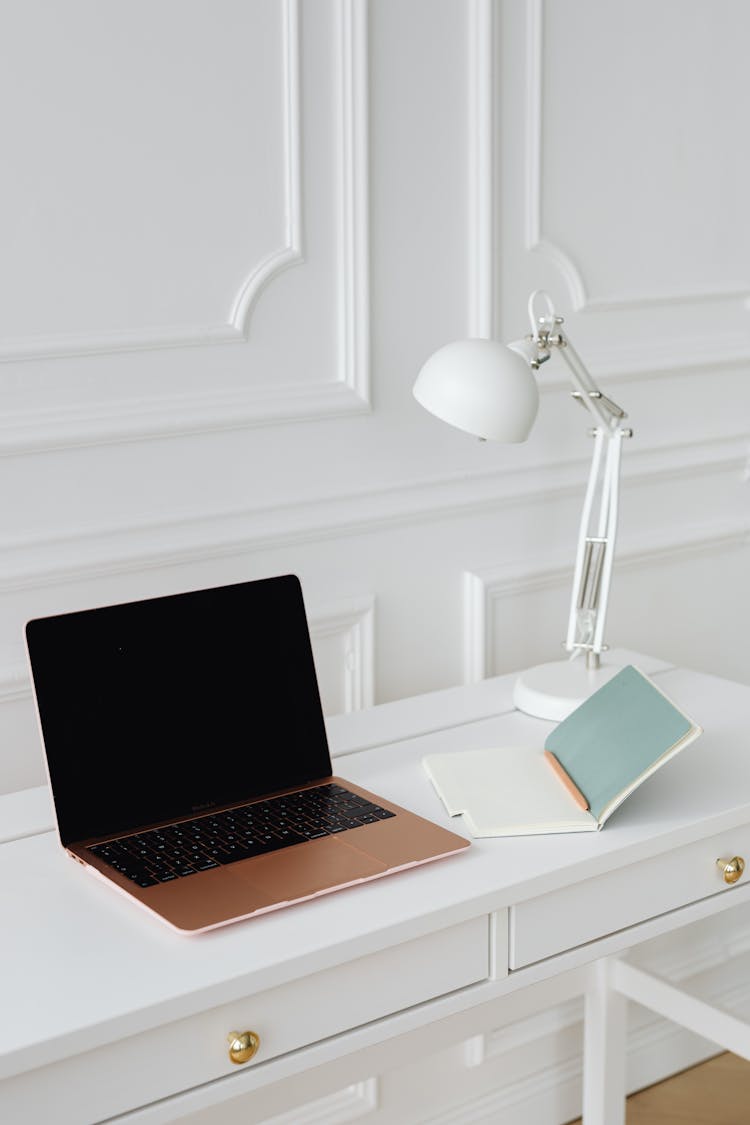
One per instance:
(160, 708)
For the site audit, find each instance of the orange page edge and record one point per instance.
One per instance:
(567, 781)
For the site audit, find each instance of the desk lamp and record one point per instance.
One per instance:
(489, 390)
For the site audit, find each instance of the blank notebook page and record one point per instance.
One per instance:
(504, 791)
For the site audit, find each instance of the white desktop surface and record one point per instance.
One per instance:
(81, 966)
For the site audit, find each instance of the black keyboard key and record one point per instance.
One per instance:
(288, 839)
(179, 850)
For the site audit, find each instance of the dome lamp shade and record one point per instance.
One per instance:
(481, 386)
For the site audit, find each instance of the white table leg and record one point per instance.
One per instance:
(604, 1038)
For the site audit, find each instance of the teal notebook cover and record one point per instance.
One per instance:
(616, 736)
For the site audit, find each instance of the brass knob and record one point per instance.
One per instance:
(731, 869)
(242, 1045)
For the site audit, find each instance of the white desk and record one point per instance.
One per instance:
(107, 1014)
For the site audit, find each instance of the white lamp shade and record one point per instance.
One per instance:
(480, 386)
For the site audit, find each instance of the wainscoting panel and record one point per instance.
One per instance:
(594, 166)
(521, 601)
(165, 231)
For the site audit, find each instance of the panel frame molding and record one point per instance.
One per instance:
(484, 587)
(96, 422)
(537, 240)
(674, 352)
(34, 561)
(236, 327)
(349, 1104)
(353, 619)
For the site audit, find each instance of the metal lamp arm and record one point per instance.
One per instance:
(587, 393)
(598, 527)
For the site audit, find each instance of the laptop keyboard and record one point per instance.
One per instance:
(179, 850)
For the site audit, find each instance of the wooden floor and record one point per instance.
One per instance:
(715, 1093)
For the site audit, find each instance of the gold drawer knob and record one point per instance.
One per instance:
(731, 869)
(242, 1045)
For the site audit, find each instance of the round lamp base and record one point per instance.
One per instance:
(552, 691)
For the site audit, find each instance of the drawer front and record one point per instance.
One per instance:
(564, 919)
(186, 1053)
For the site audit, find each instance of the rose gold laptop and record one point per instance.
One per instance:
(188, 759)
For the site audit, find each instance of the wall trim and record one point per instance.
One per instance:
(629, 360)
(345, 1105)
(484, 587)
(39, 560)
(163, 416)
(291, 251)
(14, 683)
(185, 411)
(481, 216)
(237, 326)
(353, 618)
(536, 240)
(353, 259)
(656, 1048)
(534, 236)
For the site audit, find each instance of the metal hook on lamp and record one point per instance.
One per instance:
(489, 389)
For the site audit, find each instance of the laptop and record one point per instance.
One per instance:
(188, 761)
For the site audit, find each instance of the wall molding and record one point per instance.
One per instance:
(345, 1105)
(14, 683)
(535, 238)
(656, 1048)
(99, 422)
(353, 259)
(162, 416)
(353, 619)
(484, 588)
(288, 253)
(41, 560)
(481, 214)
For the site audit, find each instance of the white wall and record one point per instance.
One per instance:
(232, 234)
(233, 231)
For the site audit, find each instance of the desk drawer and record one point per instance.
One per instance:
(186, 1053)
(572, 916)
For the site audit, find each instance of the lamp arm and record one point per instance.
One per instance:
(596, 537)
(596, 549)
(607, 412)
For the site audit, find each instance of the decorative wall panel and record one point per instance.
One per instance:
(619, 187)
(162, 188)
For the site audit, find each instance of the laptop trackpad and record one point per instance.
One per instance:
(307, 869)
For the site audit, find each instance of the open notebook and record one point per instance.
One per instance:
(589, 764)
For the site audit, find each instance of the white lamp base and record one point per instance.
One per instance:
(552, 691)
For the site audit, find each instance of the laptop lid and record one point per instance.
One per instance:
(157, 709)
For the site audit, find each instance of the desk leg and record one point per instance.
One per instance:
(604, 1035)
